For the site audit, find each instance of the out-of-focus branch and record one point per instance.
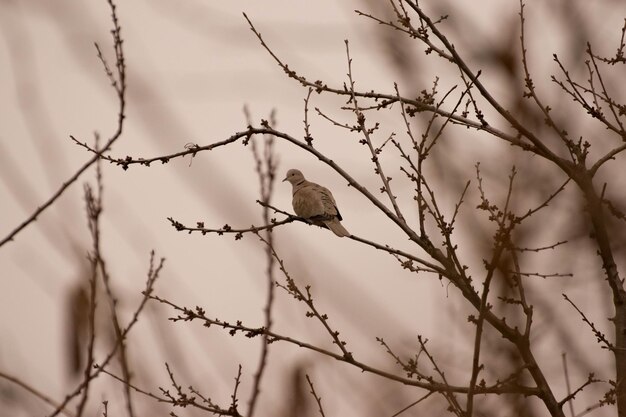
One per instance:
(120, 87)
(266, 172)
(43, 397)
(93, 205)
(153, 274)
(94, 211)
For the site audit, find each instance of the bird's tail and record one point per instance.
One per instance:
(336, 227)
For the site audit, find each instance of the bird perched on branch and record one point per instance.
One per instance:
(315, 203)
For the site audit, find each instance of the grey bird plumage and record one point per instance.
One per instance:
(315, 203)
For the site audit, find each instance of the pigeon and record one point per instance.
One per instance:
(315, 203)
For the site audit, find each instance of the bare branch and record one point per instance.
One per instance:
(601, 338)
(318, 399)
(181, 399)
(199, 314)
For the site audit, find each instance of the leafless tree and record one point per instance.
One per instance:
(504, 201)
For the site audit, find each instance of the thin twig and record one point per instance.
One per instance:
(414, 403)
(567, 385)
(601, 338)
(318, 399)
(367, 139)
(307, 298)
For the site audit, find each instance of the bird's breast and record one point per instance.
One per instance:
(306, 203)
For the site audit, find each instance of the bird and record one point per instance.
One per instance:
(313, 202)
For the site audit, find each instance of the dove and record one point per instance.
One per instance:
(315, 203)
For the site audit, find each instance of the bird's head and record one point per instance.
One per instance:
(294, 176)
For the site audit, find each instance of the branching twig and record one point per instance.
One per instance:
(367, 140)
(250, 332)
(590, 380)
(388, 99)
(455, 407)
(181, 399)
(307, 298)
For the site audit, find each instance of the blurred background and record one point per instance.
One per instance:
(191, 69)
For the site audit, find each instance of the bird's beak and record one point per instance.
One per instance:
(284, 179)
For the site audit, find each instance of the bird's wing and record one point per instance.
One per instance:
(328, 202)
(311, 200)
